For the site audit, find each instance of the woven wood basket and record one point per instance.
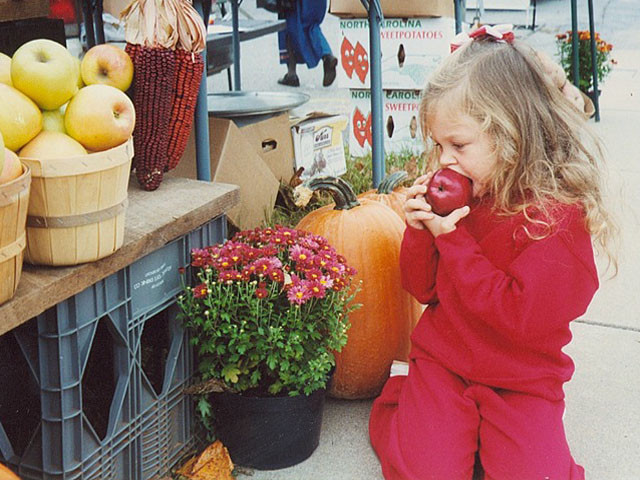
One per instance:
(14, 202)
(77, 206)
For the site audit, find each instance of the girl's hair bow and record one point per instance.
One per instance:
(499, 33)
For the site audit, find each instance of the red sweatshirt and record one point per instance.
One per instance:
(500, 303)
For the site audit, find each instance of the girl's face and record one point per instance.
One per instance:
(462, 145)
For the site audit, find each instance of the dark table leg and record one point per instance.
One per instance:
(99, 25)
(236, 45)
(594, 71)
(574, 43)
(87, 14)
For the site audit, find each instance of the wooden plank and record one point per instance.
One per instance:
(152, 220)
(20, 9)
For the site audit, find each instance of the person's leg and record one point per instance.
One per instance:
(423, 426)
(291, 78)
(522, 436)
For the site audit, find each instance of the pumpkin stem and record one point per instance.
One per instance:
(391, 181)
(341, 191)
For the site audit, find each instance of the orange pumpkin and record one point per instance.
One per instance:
(389, 193)
(6, 474)
(368, 234)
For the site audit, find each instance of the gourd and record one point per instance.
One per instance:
(6, 474)
(368, 234)
(389, 192)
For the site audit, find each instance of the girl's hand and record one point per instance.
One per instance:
(416, 209)
(418, 212)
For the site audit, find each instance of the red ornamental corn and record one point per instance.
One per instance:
(189, 68)
(154, 83)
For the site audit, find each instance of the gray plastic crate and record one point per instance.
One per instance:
(99, 377)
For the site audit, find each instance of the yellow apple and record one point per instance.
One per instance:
(53, 120)
(12, 167)
(5, 69)
(80, 83)
(20, 118)
(107, 65)
(50, 145)
(100, 117)
(1, 156)
(46, 72)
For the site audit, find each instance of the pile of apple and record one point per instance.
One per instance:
(56, 106)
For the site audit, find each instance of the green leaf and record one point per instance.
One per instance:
(230, 373)
(203, 407)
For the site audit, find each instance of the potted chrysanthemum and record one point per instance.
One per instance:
(603, 61)
(266, 310)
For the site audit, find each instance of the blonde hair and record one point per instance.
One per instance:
(545, 153)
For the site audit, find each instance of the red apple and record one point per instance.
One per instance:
(447, 191)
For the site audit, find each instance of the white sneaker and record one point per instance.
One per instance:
(399, 368)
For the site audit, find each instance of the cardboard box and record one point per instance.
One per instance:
(114, 7)
(271, 139)
(401, 122)
(317, 144)
(234, 160)
(21, 9)
(394, 8)
(411, 49)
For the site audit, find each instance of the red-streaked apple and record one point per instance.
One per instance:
(448, 190)
(12, 167)
(20, 118)
(107, 65)
(46, 72)
(51, 145)
(100, 117)
(53, 120)
(5, 69)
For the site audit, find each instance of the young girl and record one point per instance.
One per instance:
(502, 277)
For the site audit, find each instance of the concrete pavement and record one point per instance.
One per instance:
(603, 399)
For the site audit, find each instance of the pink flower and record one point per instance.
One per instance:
(277, 275)
(317, 289)
(200, 291)
(298, 293)
(300, 254)
(199, 257)
(261, 291)
(229, 275)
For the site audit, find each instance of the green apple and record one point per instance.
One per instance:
(46, 72)
(5, 70)
(53, 120)
(108, 65)
(100, 117)
(50, 145)
(20, 118)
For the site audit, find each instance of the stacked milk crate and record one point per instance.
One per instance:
(415, 38)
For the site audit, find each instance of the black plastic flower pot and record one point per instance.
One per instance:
(268, 433)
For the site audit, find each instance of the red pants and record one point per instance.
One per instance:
(428, 426)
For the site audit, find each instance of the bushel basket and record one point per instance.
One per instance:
(14, 201)
(77, 206)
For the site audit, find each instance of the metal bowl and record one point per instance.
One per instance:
(243, 104)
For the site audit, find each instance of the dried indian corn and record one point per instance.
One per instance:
(164, 39)
(189, 67)
(154, 79)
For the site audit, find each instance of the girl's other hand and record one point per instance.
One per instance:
(418, 212)
(439, 225)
